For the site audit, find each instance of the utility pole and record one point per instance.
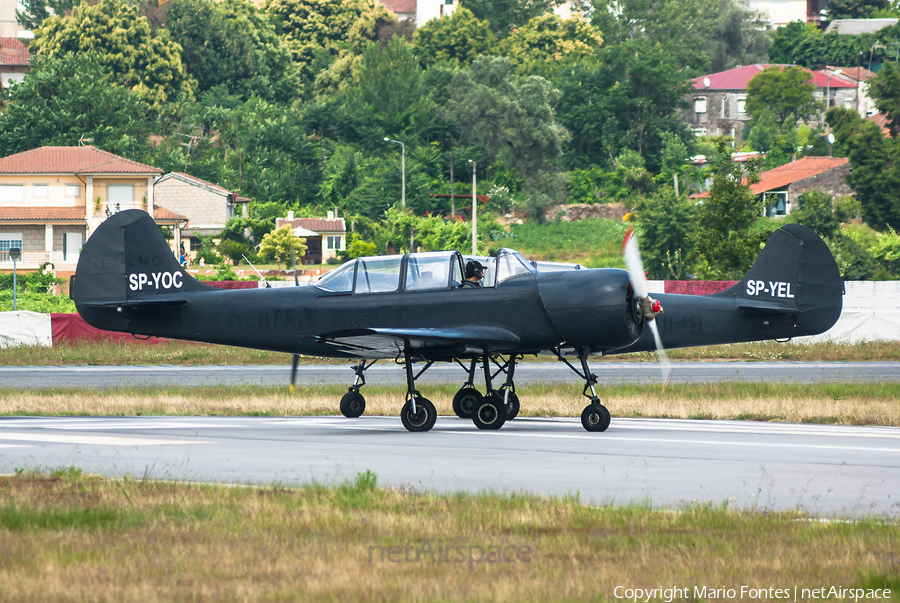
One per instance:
(402, 170)
(452, 198)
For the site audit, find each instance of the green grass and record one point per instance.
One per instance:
(595, 243)
(89, 538)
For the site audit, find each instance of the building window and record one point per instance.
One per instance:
(7, 241)
(333, 242)
(776, 204)
(120, 197)
(41, 190)
(742, 105)
(11, 193)
(848, 103)
(699, 131)
(699, 104)
(73, 190)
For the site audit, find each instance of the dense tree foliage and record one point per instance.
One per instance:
(229, 44)
(67, 98)
(806, 45)
(702, 36)
(460, 37)
(35, 11)
(785, 94)
(136, 55)
(506, 15)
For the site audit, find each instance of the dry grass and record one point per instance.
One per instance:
(847, 404)
(133, 352)
(69, 537)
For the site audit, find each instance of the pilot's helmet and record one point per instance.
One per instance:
(474, 268)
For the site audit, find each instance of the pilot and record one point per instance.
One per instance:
(474, 274)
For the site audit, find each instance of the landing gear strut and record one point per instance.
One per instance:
(418, 414)
(595, 416)
(353, 404)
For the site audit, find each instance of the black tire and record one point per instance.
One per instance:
(490, 413)
(423, 419)
(595, 417)
(465, 401)
(353, 404)
(512, 403)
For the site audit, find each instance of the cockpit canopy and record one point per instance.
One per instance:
(432, 271)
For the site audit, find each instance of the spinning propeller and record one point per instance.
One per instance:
(649, 307)
(295, 358)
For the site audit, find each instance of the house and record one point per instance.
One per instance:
(14, 61)
(780, 188)
(53, 198)
(205, 205)
(859, 77)
(781, 12)
(324, 236)
(718, 100)
(420, 12)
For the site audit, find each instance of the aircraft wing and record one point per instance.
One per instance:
(437, 342)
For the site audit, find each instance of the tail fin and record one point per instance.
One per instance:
(795, 274)
(126, 263)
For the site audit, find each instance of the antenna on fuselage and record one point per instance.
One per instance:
(261, 277)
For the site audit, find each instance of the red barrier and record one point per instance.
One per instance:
(697, 287)
(232, 284)
(72, 327)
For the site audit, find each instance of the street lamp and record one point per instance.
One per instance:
(14, 253)
(402, 168)
(474, 209)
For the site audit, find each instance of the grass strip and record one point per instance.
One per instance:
(66, 536)
(836, 403)
(133, 352)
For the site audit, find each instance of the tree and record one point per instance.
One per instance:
(628, 98)
(280, 243)
(540, 45)
(514, 121)
(875, 162)
(460, 37)
(319, 31)
(141, 58)
(725, 245)
(37, 10)
(885, 89)
(505, 16)
(666, 222)
(786, 94)
(816, 211)
(67, 98)
(230, 44)
(701, 36)
(854, 9)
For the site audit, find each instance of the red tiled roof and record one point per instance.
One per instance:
(42, 213)
(400, 6)
(72, 160)
(161, 213)
(792, 172)
(737, 78)
(321, 224)
(860, 74)
(13, 52)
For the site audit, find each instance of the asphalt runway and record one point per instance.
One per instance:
(104, 377)
(831, 471)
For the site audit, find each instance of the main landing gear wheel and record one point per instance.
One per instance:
(465, 401)
(490, 413)
(353, 404)
(595, 417)
(512, 403)
(421, 420)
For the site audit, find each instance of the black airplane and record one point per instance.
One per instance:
(412, 308)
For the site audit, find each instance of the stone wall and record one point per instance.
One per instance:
(582, 211)
(832, 182)
(199, 206)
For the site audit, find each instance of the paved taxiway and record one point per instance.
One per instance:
(827, 470)
(34, 377)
